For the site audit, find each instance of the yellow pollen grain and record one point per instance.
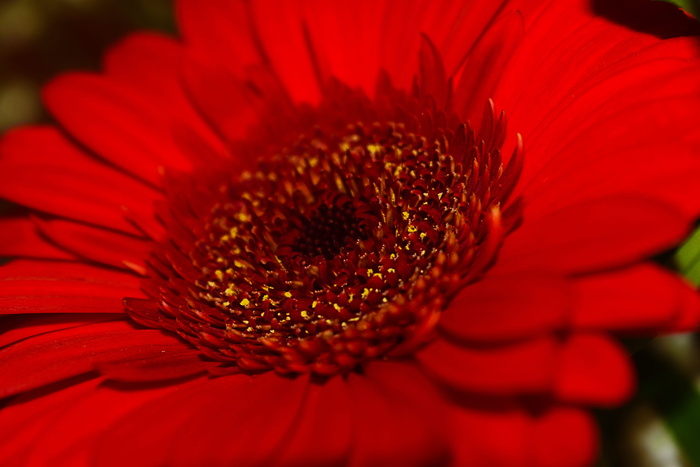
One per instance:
(243, 216)
(370, 271)
(219, 274)
(391, 270)
(233, 232)
(412, 229)
(373, 148)
(405, 215)
(226, 303)
(313, 162)
(211, 284)
(239, 264)
(378, 274)
(365, 293)
(288, 294)
(245, 302)
(305, 314)
(339, 184)
(314, 304)
(336, 306)
(228, 292)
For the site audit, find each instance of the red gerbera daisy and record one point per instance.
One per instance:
(304, 234)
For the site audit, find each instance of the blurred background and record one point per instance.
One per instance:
(41, 38)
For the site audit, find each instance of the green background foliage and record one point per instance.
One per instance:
(691, 6)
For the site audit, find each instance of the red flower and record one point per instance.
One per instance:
(295, 237)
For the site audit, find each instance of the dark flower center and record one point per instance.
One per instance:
(329, 229)
(343, 247)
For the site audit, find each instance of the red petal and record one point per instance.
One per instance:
(593, 235)
(557, 437)
(564, 437)
(484, 66)
(25, 419)
(281, 33)
(688, 318)
(115, 122)
(44, 171)
(594, 371)
(149, 63)
(28, 286)
(220, 95)
(223, 29)
(452, 26)
(107, 247)
(153, 362)
(267, 410)
(67, 422)
(56, 356)
(398, 418)
(619, 100)
(230, 420)
(584, 369)
(19, 327)
(564, 69)
(349, 53)
(505, 308)
(522, 368)
(483, 437)
(311, 443)
(19, 238)
(615, 140)
(432, 77)
(641, 297)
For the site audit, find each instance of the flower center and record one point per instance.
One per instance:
(329, 229)
(343, 247)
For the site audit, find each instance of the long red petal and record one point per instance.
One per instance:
(504, 308)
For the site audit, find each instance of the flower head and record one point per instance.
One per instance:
(305, 234)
